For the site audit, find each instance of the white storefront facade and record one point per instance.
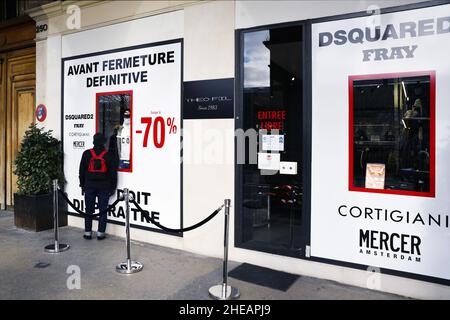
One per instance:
(348, 99)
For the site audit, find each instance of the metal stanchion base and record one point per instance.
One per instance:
(215, 292)
(51, 248)
(135, 267)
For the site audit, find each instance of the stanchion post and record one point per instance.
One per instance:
(128, 266)
(56, 247)
(127, 228)
(224, 291)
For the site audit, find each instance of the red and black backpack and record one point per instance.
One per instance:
(97, 163)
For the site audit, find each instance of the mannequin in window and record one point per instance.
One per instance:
(124, 141)
(411, 144)
(409, 139)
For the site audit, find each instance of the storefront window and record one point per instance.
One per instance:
(272, 107)
(114, 120)
(392, 143)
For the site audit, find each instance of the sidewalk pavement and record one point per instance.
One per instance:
(27, 272)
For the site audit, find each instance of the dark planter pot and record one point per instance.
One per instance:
(35, 213)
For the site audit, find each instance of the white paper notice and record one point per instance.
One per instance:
(268, 161)
(273, 142)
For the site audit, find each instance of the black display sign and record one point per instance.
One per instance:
(209, 99)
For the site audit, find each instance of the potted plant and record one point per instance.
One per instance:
(38, 163)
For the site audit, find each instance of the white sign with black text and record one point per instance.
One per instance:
(381, 223)
(133, 96)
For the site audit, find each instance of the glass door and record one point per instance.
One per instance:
(270, 177)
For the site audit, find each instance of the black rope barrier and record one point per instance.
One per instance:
(195, 226)
(84, 214)
(143, 212)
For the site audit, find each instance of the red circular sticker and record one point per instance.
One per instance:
(41, 112)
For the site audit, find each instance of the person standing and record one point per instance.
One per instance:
(98, 180)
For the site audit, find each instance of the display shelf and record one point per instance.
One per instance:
(373, 125)
(376, 143)
(417, 118)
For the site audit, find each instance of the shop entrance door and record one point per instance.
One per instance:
(270, 180)
(17, 84)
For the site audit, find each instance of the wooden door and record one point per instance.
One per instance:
(2, 131)
(20, 106)
(17, 95)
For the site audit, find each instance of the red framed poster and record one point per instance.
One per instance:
(392, 123)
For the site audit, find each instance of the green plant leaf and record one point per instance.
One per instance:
(38, 162)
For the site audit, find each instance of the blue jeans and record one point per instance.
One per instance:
(90, 195)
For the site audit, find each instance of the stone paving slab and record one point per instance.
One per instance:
(27, 272)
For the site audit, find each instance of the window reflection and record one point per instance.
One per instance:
(256, 60)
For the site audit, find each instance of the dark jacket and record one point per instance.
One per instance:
(105, 181)
(113, 148)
